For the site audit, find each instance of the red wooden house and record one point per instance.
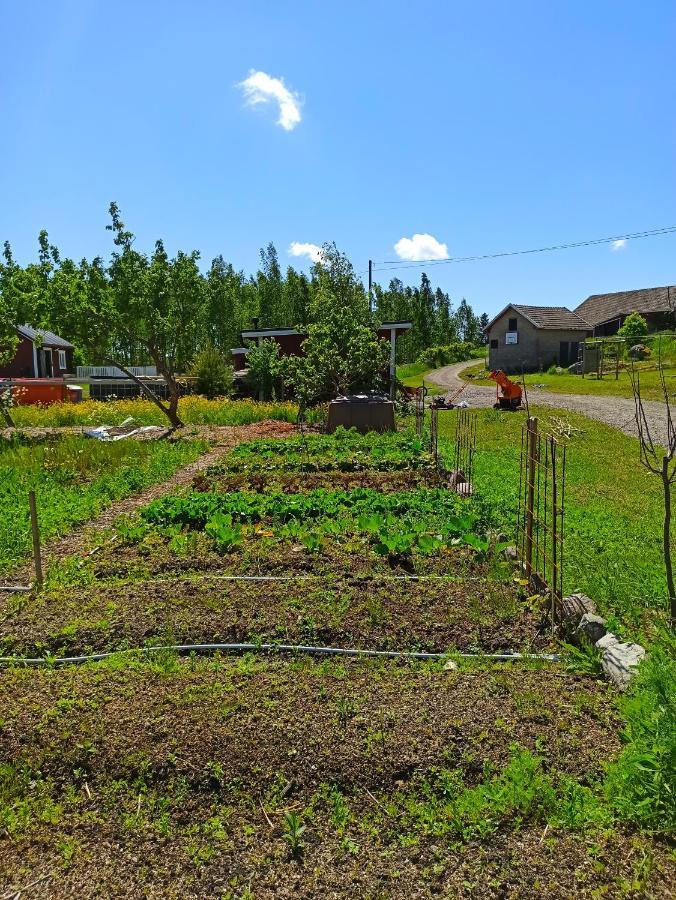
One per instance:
(40, 354)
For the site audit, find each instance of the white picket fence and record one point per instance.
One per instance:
(113, 371)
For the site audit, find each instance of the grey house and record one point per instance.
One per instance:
(534, 337)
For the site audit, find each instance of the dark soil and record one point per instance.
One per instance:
(171, 780)
(379, 614)
(336, 481)
(260, 556)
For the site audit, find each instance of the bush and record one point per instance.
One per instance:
(434, 357)
(635, 326)
(214, 376)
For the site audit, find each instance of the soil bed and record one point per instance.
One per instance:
(377, 614)
(260, 556)
(170, 779)
(340, 481)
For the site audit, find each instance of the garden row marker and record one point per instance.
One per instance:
(37, 557)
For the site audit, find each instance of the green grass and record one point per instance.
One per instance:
(613, 508)
(566, 383)
(75, 478)
(413, 374)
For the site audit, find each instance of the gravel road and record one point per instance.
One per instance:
(618, 412)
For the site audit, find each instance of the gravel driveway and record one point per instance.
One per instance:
(617, 412)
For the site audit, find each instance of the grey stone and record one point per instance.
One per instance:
(511, 554)
(456, 477)
(574, 607)
(619, 663)
(591, 629)
(607, 641)
(450, 666)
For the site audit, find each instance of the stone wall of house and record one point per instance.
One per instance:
(536, 348)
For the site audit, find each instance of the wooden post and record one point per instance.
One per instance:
(37, 556)
(555, 534)
(530, 492)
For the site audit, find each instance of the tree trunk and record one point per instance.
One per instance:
(170, 413)
(666, 538)
(171, 410)
(9, 422)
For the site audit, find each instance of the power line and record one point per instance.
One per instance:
(391, 264)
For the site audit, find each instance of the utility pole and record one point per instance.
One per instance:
(370, 285)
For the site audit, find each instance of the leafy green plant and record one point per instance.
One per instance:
(225, 534)
(293, 832)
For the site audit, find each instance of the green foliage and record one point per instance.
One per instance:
(343, 451)
(435, 357)
(224, 533)
(342, 352)
(265, 367)
(293, 831)
(447, 807)
(635, 326)
(214, 376)
(74, 479)
(641, 784)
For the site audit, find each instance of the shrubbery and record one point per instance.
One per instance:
(434, 357)
(214, 376)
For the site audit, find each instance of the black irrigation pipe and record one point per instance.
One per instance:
(274, 648)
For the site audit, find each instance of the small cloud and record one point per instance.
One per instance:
(259, 87)
(420, 247)
(619, 245)
(312, 251)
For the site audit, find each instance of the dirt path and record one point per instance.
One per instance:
(77, 540)
(618, 412)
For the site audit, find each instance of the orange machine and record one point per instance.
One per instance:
(509, 393)
(27, 391)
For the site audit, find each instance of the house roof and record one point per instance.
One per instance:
(47, 338)
(600, 308)
(554, 317)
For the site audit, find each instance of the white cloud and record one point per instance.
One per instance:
(260, 87)
(619, 245)
(312, 251)
(420, 247)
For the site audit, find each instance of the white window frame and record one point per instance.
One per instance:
(63, 363)
(511, 337)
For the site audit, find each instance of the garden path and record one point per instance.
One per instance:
(618, 412)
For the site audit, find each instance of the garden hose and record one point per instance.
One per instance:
(185, 649)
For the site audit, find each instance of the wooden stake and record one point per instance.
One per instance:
(35, 527)
(530, 493)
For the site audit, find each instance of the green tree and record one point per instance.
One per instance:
(271, 310)
(214, 376)
(152, 310)
(634, 327)
(264, 369)
(342, 352)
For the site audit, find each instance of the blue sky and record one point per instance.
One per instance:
(489, 126)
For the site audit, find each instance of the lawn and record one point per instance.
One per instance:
(575, 384)
(157, 774)
(75, 478)
(613, 507)
(414, 374)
